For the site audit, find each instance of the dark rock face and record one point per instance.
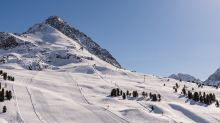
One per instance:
(7, 41)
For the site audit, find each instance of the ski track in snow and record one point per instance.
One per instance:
(17, 108)
(104, 114)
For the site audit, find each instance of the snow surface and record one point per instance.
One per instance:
(60, 88)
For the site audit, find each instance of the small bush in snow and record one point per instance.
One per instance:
(4, 109)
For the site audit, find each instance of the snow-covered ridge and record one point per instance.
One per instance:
(185, 77)
(214, 79)
(81, 38)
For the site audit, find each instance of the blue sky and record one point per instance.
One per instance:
(159, 37)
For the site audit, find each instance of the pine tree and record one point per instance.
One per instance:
(150, 95)
(159, 96)
(189, 95)
(154, 97)
(146, 94)
(180, 80)
(4, 109)
(121, 92)
(127, 92)
(152, 108)
(184, 91)
(1, 72)
(196, 96)
(217, 103)
(177, 85)
(143, 94)
(135, 94)
(175, 90)
(124, 97)
(10, 95)
(163, 84)
(3, 95)
(0, 85)
(5, 76)
(201, 99)
(113, 92)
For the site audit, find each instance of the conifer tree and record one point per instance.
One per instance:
(189, 95)
(5, 76)
(113, 92)
(154, 97)
(177, 85)
(143, 94)
(2, 95)
(127, 92)
(217, 103)
(196, 96)
(146, 94)
(184, 91)
(159, 96)
(4, 109)
(0, 85)
(201, 99)
(124, 97)
(152, 108)
(121, 92)
(1, 72)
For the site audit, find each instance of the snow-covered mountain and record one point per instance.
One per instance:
(58, 79)
(185, 77)
(42, 45)
(214, 79)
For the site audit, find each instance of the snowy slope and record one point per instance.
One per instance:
(68, 84)
(185, 77)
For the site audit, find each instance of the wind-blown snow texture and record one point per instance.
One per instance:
(185, 77)
(56, 81)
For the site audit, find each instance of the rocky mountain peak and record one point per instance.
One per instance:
(214, 79)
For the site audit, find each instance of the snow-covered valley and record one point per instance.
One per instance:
(59, 79)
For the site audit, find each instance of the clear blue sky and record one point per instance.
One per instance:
(159, 37)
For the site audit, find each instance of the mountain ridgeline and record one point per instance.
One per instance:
(71, 32)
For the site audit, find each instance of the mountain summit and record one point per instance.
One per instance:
(214, 79)
(49, 38)
(81, 38)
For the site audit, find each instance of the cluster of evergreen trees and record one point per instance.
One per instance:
(155, 97)
(117, 92)
(207, 99)
(6, 77)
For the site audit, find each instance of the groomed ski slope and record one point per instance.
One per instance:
(70, 96)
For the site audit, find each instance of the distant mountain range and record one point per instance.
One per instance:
(185, 77)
